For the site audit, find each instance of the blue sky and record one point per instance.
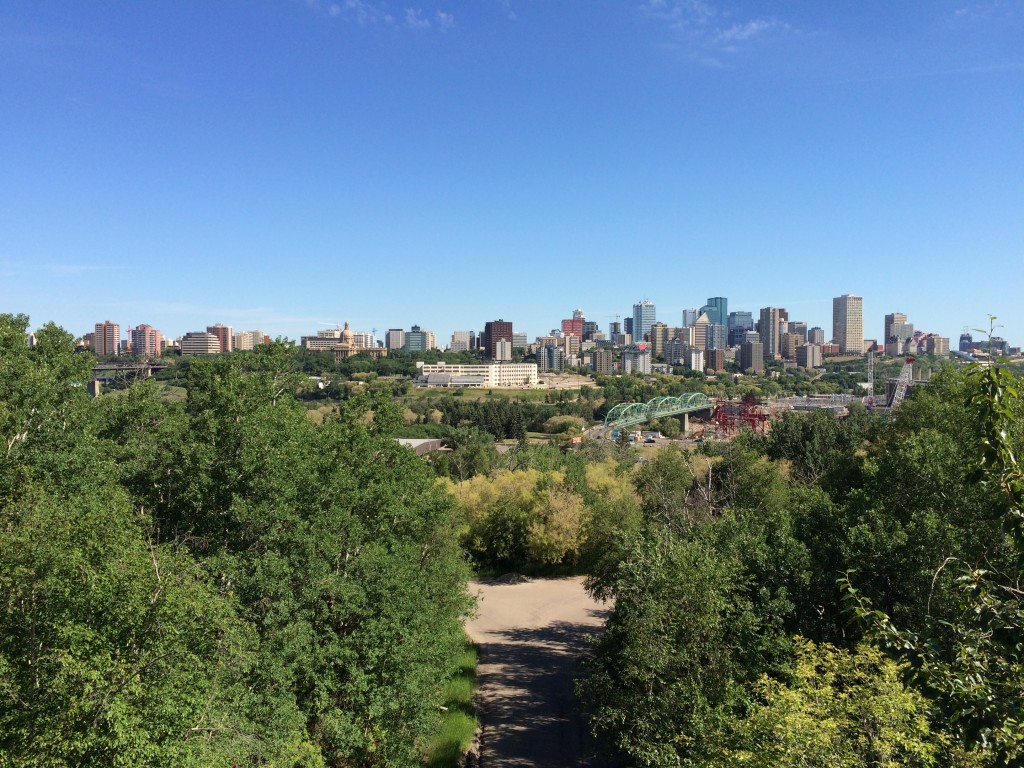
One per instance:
(283, 164)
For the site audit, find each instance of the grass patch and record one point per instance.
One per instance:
(458, 723)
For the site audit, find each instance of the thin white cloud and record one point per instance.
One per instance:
(709, 33)
(368, 13)
(445, 21)
(749, 29)
(414, 19)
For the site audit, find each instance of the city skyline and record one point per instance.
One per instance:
(300, 163)
(462, 337)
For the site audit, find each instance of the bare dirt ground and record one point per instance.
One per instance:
(531, 634)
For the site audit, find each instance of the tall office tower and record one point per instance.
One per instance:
(700, 332)
(717, 310)
(394, 339)
(739, 323)
(752, 357)
(495, 331)
(589, 329)
(644, 316)
(799, 328)
(145, 341)
(898, 334)
(418, 340)
(848, 323)
(768, 328)
(223, 334)
(808, 356)
(891, 319)
(461, 341)
(107, 340)
(578, 314)
(717, 337)
(519, 340)
(614, 329)
(816, 335)
(627, 325)
(573, 326)
(966, 342)
(788, 344)
(690, 317)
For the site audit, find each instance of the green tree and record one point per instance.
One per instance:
(972, 664)
(840, 709)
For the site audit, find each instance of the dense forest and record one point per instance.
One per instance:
(223, 580)
(215, 582)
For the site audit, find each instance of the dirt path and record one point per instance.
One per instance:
(530, 636)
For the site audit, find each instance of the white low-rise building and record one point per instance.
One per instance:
(483, 375)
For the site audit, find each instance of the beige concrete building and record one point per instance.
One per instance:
(486, 375)
(200, 343)
(848, 323)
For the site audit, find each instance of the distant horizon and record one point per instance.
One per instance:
(443, 340)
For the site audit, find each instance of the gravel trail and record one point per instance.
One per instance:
(531, 633)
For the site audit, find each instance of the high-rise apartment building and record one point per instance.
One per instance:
(636, 358)
(601, 361)
(714, 359)
(551, 357)
(752, 356)
(248, 340)
(145, 341)
(848, 324)
(223, 334)
(644, 316)
(659, 338)
(496, 330)
(768, 328)
(107, 340)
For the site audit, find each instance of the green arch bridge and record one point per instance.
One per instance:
(627, 414)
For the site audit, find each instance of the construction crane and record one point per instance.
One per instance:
(904, 381)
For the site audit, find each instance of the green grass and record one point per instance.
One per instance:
(458, 723)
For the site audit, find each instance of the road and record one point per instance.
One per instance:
(531, 634)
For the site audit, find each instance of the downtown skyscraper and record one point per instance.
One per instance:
(848, 323)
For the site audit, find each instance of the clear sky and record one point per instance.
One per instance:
(287, 164)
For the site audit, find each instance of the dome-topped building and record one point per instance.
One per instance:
(346, 347)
